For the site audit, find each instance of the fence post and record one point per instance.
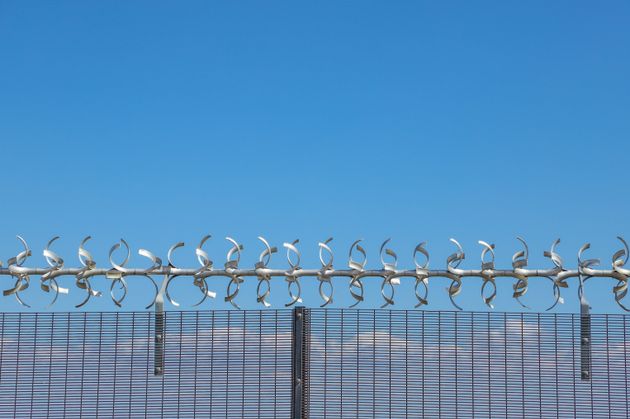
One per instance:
(299, 368)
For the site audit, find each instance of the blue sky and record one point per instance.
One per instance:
(420, 121)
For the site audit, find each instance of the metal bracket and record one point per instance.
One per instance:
(158, 361)
(585, 339)
(299, 405)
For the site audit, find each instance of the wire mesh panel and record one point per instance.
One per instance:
(356, 364)
(216, 364)
(395, 364)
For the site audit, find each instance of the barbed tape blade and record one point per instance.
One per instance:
(293, 281)
(16, 270)
(82, 280)
(263, 290)
(206, 266)
(359, 267)
(390, 279)
(488, 249)
(619, 260)
(452, 264)
(231, 264)
(323, 277)
(117, 274)
(421, 274)
(520, 260)
(55, 264)
(556, 259)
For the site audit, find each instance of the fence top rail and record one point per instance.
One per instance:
(336, 311)
(356, 270)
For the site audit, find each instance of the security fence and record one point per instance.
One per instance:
(313, 363)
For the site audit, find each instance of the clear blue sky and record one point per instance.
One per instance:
(164, 121)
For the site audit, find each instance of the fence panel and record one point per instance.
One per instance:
(217, 364)
(398, 364)
(357, 364)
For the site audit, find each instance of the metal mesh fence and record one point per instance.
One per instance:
(357, 364)
(395, 364)
(217, 364)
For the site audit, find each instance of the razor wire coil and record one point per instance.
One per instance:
(390, 274)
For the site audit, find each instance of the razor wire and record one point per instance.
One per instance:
(389, 273)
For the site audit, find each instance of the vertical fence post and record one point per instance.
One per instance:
(299, 363)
